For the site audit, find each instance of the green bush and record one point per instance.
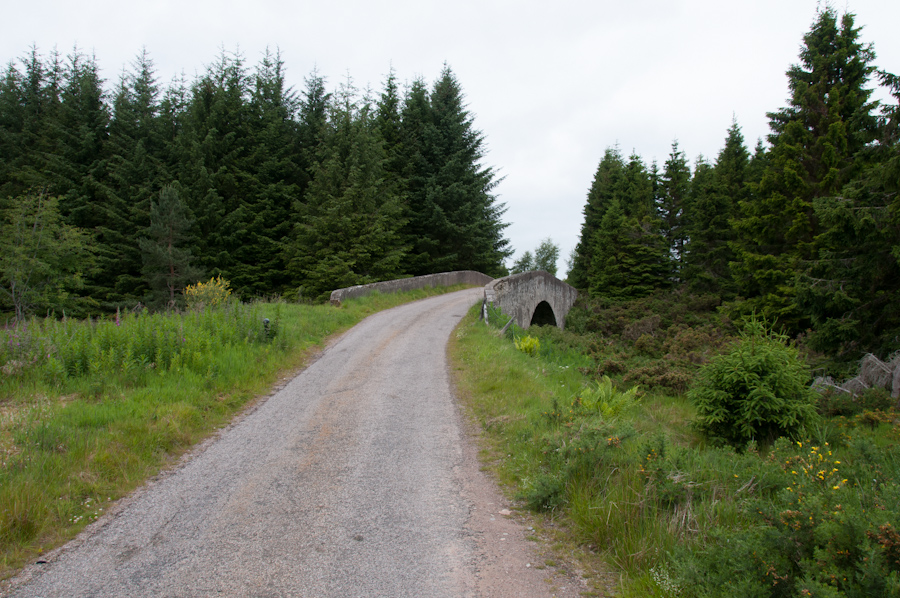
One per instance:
(757, 391)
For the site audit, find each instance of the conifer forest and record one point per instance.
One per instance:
(116, 197)
(803, 229)
(124, 192)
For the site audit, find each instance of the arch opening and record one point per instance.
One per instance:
(543, 315)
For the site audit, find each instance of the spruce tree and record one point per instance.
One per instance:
(850, 288)
(607, 185)
(672, 195)
(630, 255)
(167, 260)
(137, 173)
(313, 117)
(277, 177)
(348, 224)
(415, 118)
(215, 170)
(455, 220)
(814, 142)
(715, 193)
(31, 103)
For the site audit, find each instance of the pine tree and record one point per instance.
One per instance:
(277, 177)
(215, 170)
(137, 173)
(390, 126)
(313, 118)
(814, 142)
(415, 118)
(168, 262)
(32, 102)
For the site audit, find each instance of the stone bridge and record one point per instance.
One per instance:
(535, 297)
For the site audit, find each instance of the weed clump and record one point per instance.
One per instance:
(528, 345)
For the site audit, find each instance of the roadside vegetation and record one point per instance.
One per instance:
(609, 430)
(89, 409)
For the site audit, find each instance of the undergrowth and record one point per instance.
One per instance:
(634, 481)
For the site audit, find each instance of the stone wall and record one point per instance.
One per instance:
(444, 279)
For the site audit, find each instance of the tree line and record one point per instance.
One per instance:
(114, 197)
(804, 230)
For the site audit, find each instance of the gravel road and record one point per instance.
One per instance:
(355, 479)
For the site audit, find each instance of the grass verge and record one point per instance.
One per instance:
(90, 410)
(626, 478)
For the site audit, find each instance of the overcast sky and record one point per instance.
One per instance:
(549, 86)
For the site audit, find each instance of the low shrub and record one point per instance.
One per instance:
(207, 294)
(757, 391)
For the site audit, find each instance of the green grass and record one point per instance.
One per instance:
(90, 410)
(666, 510)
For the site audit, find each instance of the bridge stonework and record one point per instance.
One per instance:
(444, 279)
(520, 296)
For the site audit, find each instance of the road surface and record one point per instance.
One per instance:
(355, 479)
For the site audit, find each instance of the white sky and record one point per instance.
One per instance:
(550, 87)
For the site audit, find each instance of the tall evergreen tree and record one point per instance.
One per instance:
(137, 173)
(850, 288)
(455, 218)
(607, 185)
(630, 255)
(348, 224)
(313, 118)
(814, 142)
(31, 102)
(415, 118)
(168, 262)
(215, 172)
(715, 193)
(277, 177)
(390, 127)
(672, 195)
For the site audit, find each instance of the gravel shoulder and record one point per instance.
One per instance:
(357, 478)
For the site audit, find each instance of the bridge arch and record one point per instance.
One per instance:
(527, 297)
(543, 315)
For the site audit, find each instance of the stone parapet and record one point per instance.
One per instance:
(444, 279)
